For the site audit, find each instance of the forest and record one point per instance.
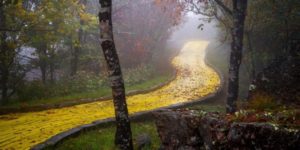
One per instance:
(149, 74)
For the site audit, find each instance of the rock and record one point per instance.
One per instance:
(177, 130)
(262, 136)
(213, 131)
(143, 140)
(186, 130)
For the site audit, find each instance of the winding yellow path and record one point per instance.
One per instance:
(194, 80)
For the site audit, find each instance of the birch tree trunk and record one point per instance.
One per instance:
(123, 137)
(239, 13)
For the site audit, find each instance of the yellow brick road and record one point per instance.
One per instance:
(194, 80)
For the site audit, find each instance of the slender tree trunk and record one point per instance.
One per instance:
(4, 90)
(78, 45)
(252, 55)
(73, 63)
(3, 52)
(43, 71)
(51, 70)
(75, 59)
(76, 50)
(239, 13)
(123, 137)
(43, 58)
(287, 36)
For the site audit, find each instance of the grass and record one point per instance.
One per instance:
(102, 137)
(150, 83)
(102, 92)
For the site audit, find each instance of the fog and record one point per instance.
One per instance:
(188, 30)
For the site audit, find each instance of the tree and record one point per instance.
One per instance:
(275, 49)
(237, 17)
(78, 43)
(3, 50)
(11, 39)
(123, 136)
(61, 24)
(237, 34)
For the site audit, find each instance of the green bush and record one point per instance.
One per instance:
(139, 74)
(262, 101)
(31, 90)
(83, 82)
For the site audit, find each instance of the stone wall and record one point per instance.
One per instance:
(193, 130)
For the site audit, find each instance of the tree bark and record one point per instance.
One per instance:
(239, 13)
(74, 58)
(123, 137)
(43, 58)
(3, 52)
(4, 89)
(252, 53)
(52, 68)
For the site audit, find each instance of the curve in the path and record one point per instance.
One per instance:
(194, 80)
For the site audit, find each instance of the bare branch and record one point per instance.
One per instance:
(224, 7)
(198, 10)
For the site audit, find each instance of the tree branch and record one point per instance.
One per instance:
(198, 10)
(224, 7)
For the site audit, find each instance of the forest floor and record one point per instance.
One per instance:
(193, 80)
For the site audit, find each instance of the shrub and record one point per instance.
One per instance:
(32, 90)
(262, 101)
(139, 74)
(82, 82)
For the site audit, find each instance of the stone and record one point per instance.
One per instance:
(177, 130)
(143, 140)
(262, 136)
(186, 130)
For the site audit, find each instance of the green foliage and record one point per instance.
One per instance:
(262, 101)
(80, 83)
(139, 74)
(281, 116)
(83, 82)
(45, 36)
(82, 86)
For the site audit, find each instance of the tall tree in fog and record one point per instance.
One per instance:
(3, 52)
(237, 14)
(123, 137)
(79, 41)
(11, 39)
